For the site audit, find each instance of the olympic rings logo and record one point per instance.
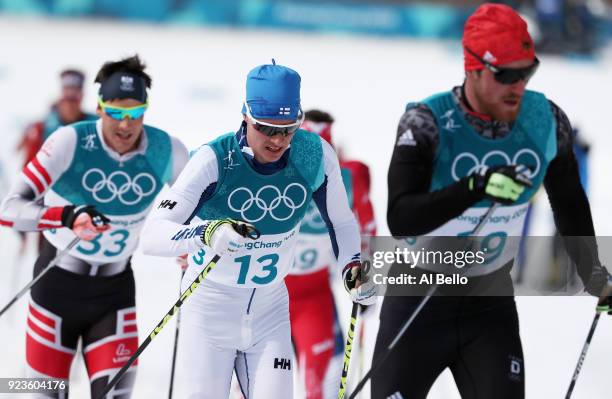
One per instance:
(118, 185)
(525, 157)
(267, 200)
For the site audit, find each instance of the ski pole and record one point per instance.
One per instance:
(176, 337)
(583, 354)
(240, 229)
(601, 306)
(53, 262)
(415, 313)
(347, 350)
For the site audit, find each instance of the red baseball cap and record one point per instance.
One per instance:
(497, 34)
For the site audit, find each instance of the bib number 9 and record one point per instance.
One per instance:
(307, 259)
(492, 245)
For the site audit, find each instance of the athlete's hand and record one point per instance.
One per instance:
(85, 221)
(600, 285)
(362, 292)
(503, 184)
(227, 236)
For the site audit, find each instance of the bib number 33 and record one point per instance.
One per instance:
(113, 247)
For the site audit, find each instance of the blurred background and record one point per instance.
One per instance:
(561, 26)
(360, 60)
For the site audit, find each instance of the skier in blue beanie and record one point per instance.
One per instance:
(261, 178)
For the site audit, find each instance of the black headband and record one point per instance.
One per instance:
(124, 85)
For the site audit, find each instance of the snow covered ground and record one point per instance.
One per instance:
(197, 94)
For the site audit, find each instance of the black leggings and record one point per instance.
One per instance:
(477, 338)
(100, 310)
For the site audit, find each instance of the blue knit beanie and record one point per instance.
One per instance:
(273, 92)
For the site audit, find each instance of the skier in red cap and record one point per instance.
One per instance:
(488, 141)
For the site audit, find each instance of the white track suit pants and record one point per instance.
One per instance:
(226, 328)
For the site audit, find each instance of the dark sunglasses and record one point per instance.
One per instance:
(274, 130)
(270, 129)
(508, 76)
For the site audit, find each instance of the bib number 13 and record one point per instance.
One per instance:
(268, 265)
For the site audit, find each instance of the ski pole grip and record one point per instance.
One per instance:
(246, 230)
(605, 292)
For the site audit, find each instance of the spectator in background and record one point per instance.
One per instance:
(66, 110)
(566, 26)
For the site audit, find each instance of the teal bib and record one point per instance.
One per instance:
(274, 203)
(115, 188)
(531, 142)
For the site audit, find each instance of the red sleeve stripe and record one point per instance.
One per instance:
(51, 218)
(33, 179)
(48, 226)
(41, 170)
(37, 173)
(6, 223)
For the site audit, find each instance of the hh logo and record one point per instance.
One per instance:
(167, 204)
(284, 364)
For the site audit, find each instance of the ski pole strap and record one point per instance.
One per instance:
(246, 229)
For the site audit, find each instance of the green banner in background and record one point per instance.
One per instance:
(324, 16)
